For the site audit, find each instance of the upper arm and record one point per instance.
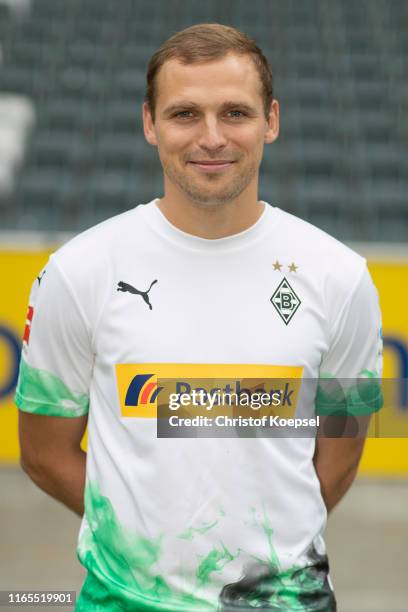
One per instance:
(57, 359)
(352, 366)
(55, 372)
(44, 439)
(340, 441)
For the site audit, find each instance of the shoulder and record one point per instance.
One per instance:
(85, 264)
(333, 264)
(98, 242)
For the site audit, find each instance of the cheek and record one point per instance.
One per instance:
(248, 139)
(174, 141)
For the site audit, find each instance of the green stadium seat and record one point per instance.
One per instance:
(370, 94)
(313, 158)
(130, 83)
(85, 84)
(120, 151)
(123, 116)
(59, 149)
(39, 196)
(61, 113)
(324, 203)
(87, 55)
(111, 192)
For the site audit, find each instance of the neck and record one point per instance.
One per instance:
(213, 221)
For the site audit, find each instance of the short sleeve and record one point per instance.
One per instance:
(351, 369)
(57, 359)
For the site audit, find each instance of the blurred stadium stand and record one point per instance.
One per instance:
(339, 74)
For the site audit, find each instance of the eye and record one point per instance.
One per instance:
(236, 114)
(183, 114)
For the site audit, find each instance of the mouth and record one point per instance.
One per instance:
(215, 165)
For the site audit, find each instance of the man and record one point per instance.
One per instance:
(206, 282)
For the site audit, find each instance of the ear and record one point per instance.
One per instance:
(272, 131)
(148, 126)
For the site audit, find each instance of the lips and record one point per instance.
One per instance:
(220, 162)
(212, 165)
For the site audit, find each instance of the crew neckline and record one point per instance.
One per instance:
(160, 224)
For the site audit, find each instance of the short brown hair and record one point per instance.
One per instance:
(205, 42)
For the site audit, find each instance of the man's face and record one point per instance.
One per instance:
(210, 128)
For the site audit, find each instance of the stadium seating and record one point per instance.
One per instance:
(339, 75)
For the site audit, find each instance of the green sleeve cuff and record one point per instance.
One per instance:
(41, 392)
(339, 397)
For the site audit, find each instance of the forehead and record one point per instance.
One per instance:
(217, 79)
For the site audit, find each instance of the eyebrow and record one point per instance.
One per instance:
(187, 105)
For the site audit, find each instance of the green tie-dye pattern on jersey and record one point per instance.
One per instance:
(123, 573)
(192, 532)
(41, 392)
(123, 566)
(213, 562)
(264, 585)
(341, 398)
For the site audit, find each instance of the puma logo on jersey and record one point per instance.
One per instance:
(122, 286)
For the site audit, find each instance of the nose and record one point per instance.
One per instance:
(211, 137)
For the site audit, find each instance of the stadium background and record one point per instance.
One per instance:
(72, 153)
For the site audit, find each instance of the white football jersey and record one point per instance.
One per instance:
(184, 518)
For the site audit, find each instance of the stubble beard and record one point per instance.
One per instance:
(205, 197)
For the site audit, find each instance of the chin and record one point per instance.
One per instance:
(211, 200)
